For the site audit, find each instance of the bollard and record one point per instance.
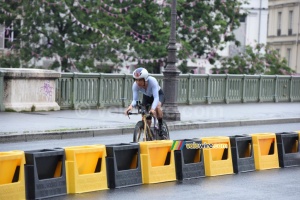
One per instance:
(189, 161)
(12, 181)
(123, 165)
(45, 174)
(86, 168)
(288, 149)
(157, 161)
(242, 153)
(217, 156)
(265, 151)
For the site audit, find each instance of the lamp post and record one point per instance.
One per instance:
(171, 74)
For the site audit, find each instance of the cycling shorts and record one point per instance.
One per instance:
(149, 100)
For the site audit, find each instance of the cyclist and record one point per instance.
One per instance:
(152, 94)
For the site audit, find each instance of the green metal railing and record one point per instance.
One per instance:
(101, 90)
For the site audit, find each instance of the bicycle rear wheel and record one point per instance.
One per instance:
(165, 132)
(138, 134)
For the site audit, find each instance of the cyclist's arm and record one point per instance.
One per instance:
(135, 94)
(155, 89)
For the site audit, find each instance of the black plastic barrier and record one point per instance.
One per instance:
(123, 165)
(45, 174)
(189, 160)
(242, 153)
(288, 149)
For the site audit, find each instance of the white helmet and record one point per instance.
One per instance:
(140, 73)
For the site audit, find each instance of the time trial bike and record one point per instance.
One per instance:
(147, 129)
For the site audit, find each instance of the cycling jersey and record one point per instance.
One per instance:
(152, 90)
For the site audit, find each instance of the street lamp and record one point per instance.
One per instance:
(171, 74)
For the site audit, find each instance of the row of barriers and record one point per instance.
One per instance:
(45, 173)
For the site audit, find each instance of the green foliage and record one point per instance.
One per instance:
(9, 60)
(81, 34)
(183, 67)
(260, 59)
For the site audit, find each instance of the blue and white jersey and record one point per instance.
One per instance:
(152, 90)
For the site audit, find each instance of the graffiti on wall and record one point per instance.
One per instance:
(47, 90)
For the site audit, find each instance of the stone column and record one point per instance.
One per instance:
(171, 74)
(28, 89)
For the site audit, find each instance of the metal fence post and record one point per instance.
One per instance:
(226, 89)
(275, 89)
(291, 89)
(74, 88)
(208, 97)
(260, 89)
(124, 91)
(189, 93)
(100, 91)
(244, 88)
(2, 108)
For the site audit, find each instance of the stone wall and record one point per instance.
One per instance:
(28, 89)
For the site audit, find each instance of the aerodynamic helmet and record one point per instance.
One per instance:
(140, 73)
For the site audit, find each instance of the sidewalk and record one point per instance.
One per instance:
(28, 126)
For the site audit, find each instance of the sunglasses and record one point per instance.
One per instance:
(137, 79)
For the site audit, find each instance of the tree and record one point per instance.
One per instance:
(183, 67)
(260, 59)
(83, 34)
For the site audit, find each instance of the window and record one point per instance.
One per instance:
(290, 31)
(9, 34)
(2, 32)
(279, 24)
(243, 18)
(288, 57)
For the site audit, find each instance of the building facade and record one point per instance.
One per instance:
(284, 30)
(253, 28)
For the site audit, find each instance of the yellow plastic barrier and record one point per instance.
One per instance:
(157, 161)
(265, 151)
(86, 168)
(296, 147)
(217, 156)
(12, 180)
(298, 133)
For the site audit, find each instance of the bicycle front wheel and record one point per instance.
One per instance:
(139, 134)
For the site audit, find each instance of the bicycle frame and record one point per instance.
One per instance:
(147, 129)
(143, 128)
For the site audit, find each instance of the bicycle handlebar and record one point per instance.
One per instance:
(130, 113)
(141, 110)
(138, 113)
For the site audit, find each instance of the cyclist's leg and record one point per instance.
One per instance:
(159, 110)
(147, 101)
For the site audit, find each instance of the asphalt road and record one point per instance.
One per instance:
(282, 183)
(174, 135)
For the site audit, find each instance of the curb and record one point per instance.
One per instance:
(173, 126)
